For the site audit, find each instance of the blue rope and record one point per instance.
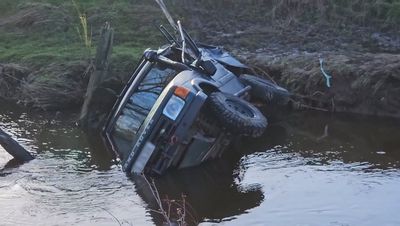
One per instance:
(327, 77)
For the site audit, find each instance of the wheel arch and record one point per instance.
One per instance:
(205, 86)
(208, 88)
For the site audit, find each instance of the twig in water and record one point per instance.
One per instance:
(156, 195)
(173, 211)
(112, 215)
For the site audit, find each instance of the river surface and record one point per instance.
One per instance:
(308, 169)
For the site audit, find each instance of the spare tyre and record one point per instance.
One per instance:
(265, 90)
(236, 114)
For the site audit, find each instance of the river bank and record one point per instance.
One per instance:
(45, 65)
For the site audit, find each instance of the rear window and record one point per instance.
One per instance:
(139, 105)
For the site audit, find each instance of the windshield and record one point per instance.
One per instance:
(138, 106)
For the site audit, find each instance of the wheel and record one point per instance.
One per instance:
(266, 90)
(236, 114)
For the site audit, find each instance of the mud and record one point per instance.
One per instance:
(362, 83)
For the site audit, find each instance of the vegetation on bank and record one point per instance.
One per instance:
(55, 41)
(36, 32)
(381, 13)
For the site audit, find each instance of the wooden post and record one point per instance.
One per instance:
(101, 64)
(13, 148)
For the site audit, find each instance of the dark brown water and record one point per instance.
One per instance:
(311, 169)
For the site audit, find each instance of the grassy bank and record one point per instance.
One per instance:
(43, 30)
(51, 30)
(35, 33)
(55, 40)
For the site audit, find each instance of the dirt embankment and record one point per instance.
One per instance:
(363, 57)
(44, 60)
(364, 70)
(360, 82)
(54, 87)
(363, 83)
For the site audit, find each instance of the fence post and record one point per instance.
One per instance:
(101, 64)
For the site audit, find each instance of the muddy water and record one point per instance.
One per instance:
(311, 169)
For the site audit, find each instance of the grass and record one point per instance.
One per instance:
(133, 22)
(379, 13)
(38, 51)
(83, 29)
(38, 47)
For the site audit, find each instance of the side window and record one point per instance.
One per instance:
(141, 102)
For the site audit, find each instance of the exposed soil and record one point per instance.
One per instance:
(362, 83)
(364, 62)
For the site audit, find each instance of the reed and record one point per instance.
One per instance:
(174, 212)
(83, 30)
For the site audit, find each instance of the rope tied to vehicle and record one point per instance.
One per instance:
(327, 77)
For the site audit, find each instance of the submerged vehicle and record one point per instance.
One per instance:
(184, 104)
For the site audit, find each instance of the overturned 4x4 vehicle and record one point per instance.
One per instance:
(184, 104)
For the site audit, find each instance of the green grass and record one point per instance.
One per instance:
(34, 53)
(39, 47)
(37, 53)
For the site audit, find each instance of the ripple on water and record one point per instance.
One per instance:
(63, 185)
(349, 177)
(49, 190)
(300, 193)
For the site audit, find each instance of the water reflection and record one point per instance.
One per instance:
(305, 146)
(210, 191)
(310, 169)
(346, 138)
(54, 134)
(71, 182)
